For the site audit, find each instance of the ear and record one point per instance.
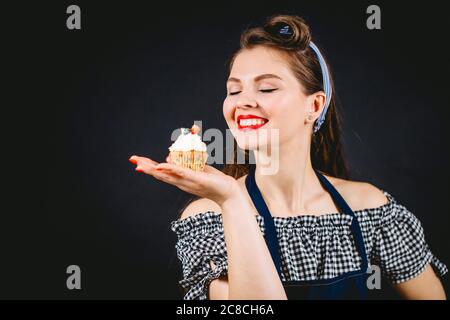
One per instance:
(316, 104)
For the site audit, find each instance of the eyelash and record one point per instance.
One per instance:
(265, 91)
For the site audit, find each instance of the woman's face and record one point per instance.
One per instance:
(261, 84)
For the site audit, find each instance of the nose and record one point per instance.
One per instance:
(246, 101)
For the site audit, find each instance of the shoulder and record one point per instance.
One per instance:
(359, 194)
(200, 206)
(198, 218)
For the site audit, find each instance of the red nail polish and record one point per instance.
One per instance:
(139, 170)
(133, 161)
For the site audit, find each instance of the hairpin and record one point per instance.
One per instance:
(285, 30)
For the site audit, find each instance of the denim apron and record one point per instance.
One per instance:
(351, 285)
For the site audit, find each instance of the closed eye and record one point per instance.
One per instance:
(262, 90)
(268, 90)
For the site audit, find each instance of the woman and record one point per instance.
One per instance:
(305, 231)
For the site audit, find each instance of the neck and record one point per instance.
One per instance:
(295, 182)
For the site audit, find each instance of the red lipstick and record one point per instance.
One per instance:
(247, 124)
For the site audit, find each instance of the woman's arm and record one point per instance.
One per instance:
(251, 271)
(425, 286)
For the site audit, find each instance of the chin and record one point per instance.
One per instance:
(250, 140)
(245, 145)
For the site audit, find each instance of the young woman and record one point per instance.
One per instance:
(305, 231)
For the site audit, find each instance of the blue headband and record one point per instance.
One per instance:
(286, 31)
(326, 86)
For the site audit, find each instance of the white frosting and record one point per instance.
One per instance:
(187, 142)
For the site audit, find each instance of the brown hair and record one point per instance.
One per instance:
(326, 147)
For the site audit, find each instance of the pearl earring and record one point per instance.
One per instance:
(310, 117)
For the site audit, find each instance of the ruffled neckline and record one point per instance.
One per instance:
(210, 218)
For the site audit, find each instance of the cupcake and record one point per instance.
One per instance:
(188, 150)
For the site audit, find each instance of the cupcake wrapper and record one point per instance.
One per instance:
(192, 159)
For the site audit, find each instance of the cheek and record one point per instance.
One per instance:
(284, 111)
(228, 111)
(287, 116)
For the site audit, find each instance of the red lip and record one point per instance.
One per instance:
(250, 116)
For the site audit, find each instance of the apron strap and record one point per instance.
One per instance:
(269, 225)
(355, 227)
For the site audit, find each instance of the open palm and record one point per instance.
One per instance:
(211, 183)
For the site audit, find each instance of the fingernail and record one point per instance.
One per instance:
(133, 161)
(139, 169)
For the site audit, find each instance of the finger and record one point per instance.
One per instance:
(137, 160)
(165, 177)
(151, 170)
(175, 169)
(133, 159)
(179, 182)
(147, 166)
(147, 161)
(174, 179)
(143, 168)
(183, 178)
(168, 159)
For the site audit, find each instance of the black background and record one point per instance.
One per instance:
(135, 72)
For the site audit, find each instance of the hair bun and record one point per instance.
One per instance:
(291, 32)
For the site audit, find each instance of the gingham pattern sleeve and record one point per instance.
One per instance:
(200, 241)
(399, 245)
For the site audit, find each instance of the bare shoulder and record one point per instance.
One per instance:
(199, 206)
(359, 194)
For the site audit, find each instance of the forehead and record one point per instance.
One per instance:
(259, 60)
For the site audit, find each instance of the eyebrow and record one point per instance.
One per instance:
(258, 78)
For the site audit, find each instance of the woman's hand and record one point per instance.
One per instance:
(211, 183)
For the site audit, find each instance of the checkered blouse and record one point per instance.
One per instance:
(311, 247)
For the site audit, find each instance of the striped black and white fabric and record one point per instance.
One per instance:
(312, 247)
